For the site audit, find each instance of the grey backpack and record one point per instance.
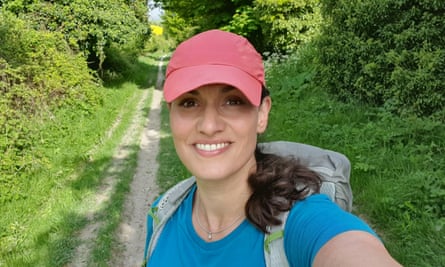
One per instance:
(333, 168)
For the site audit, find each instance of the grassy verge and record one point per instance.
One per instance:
(171, 170)
(40, 229)
(398, 173)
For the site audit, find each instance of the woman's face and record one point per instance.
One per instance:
(215, 131)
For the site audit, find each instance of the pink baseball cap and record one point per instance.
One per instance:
(214, 57)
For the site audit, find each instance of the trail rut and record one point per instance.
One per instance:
(143, 189)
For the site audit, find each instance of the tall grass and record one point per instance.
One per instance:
(40, 229)
(398, 165)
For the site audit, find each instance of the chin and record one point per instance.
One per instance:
(209, 176)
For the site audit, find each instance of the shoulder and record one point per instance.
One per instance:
(317, 208)
(167, 203)
(313, 222)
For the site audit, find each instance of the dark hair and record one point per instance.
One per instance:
(264, 92)
(276, 185)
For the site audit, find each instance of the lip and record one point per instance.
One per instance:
(213, 148)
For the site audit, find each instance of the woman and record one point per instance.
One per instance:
(218, 104)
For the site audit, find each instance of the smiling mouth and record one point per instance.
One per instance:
(211, 147)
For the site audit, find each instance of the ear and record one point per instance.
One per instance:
(263, 114)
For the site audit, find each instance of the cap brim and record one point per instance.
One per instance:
(187, 79)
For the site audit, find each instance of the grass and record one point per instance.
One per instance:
(398, 173)
(40, 229)
(171, 170)
(111, 215)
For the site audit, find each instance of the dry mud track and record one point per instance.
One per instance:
(143, 189)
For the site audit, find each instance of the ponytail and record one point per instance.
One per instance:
(276, 185)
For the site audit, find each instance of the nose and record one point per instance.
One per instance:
(210, 121)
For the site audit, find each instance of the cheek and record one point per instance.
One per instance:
(182, 131)
(248, 126)
(177, 125)
(180, 134)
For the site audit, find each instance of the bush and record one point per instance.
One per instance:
(389, 53)
(397, 176)
(288, 24)
(38, 75)
(90, 27)
(277, 26)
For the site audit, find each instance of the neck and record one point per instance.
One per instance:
(222, 199)
(219, 208)
(209, 230)
(226, 195)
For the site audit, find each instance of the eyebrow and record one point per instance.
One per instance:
(228, 88)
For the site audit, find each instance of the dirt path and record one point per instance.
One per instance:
(143, 190)
(131, 233)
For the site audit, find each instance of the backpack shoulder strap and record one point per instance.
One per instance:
(167, 205)
(274, 253)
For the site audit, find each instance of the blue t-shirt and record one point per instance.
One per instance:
(311, 223)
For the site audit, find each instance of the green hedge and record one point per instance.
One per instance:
(389, 53)
(90, 27)
(38, 75)
(287, 24)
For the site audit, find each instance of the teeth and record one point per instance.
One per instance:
(211, 147)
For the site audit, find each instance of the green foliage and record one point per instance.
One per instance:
(171, 169)
(44, 48)
(184, 18)
(397, 164)
(387, 53)
(90, 27)
(177, 28)
(203, 14)
(286, 24)
(51, 111)
(160, 43)
(398, 175)
(244, 22)
(74, 150)
(277, 26)
(38, 75)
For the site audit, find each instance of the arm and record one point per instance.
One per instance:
(319, 233)
(354, 248)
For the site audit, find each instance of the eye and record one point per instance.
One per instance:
(235, 101)
(188, 103)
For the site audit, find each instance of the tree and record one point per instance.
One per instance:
(271, 25)
(91, 27)
(287, 24)
(204, 14)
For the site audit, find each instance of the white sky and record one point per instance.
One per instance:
(155, 14)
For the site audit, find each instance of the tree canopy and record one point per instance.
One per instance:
(274, 26)
(90, 27)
